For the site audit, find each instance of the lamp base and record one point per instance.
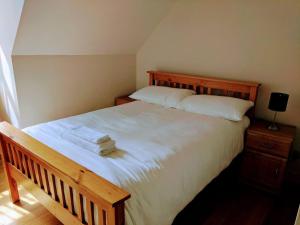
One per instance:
(273, 127)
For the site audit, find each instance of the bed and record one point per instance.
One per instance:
(161, 167)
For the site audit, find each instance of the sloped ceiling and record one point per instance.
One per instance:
(75, 27)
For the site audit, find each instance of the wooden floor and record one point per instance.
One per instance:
(27, 212)
(223, 202)
(227, 202)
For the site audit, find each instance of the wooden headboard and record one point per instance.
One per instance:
(206, 85)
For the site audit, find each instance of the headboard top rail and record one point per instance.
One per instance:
(199, 79)
(206, 85)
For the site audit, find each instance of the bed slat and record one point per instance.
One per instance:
(79, 203)
(89, 210)
(69, 200)
(101, 216)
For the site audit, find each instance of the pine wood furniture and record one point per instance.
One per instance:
(123, 100)
(68, 190)
(266, 155)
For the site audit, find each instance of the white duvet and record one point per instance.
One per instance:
(166, 156)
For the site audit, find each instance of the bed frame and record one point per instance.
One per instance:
(71, 192)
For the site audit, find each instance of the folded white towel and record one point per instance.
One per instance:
(106, 148)
(90, 135)
(105, 152)
(107, 144)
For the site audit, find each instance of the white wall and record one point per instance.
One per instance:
(52, 87)
(234, 39)
(10, 12)
(73, 27)
(72, 56)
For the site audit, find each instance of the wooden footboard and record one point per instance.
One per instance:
(69, 191)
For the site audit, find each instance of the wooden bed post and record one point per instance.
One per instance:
(12, 184)
(116, 216)
(151, 78)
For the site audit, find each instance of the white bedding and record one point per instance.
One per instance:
(166, 156)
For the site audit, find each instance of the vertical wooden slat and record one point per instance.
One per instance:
(111, 217)
(34, 172)
(209, 91)
(45, 179)
(19, 155)
(30, 168)
(14, 155)
(37, 170)
(52, 186)
(27, 166)
(243, 95)
(69, 199)
(101, 216)
(25, 171)
(79, 203)
(201, 89)
(195, 87)
(24, 164)
(9, 153)
(61, 193)
(89, 209)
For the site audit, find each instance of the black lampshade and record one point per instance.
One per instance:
(278, 101)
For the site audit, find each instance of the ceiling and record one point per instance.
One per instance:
(86, 27)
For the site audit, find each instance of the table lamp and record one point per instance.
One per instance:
(278, 102)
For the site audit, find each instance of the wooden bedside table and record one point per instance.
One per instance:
(123, 100)
(266, 154)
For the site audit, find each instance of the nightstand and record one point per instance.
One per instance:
(123, 100)
(266, 154)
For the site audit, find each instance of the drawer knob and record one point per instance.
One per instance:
(267, 145)
(276, 172)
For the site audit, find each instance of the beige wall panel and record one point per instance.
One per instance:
(245, 40)
(52, 87)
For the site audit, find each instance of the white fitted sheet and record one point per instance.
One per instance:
(166, 156)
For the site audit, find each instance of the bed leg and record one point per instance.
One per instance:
(13, 188)
(12, 184)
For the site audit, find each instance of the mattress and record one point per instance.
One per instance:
(165, 156)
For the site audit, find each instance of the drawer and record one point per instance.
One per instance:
(268, 145)
(263, 169)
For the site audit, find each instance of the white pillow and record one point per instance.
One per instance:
(165, 96)
(219, 106)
